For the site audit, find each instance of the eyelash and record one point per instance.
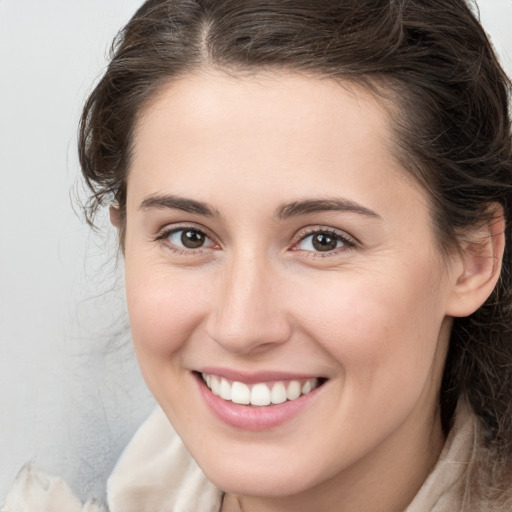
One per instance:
(164, 235)
(348, 242)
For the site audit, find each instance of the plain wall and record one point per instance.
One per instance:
(66, 406)
(70, 391)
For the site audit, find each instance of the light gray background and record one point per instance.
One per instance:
(70, 392)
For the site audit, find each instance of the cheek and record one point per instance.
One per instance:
(382, 329)
(163, 308)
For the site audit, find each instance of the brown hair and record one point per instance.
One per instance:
(452, 127)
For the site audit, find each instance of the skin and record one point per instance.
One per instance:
(372, 316)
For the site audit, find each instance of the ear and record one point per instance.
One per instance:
(478, 265)
(115, 216)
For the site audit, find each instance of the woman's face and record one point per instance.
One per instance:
(274, 244)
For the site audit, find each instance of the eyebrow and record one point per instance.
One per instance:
(178, 203)
(334, 204)
(285, 211)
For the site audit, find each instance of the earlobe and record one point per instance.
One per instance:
(479, 266)
(115, 216)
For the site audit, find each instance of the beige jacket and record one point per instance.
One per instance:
(156, 474)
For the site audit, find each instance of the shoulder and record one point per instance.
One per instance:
(34, 491)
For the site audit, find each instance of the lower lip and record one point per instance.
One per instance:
(254, 418)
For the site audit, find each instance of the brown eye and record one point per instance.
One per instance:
(323, 241)
(188, 238)
(192, 239)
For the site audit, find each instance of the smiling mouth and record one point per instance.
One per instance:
(260, 394)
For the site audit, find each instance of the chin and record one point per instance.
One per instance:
(262, 481)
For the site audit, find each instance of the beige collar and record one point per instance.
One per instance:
(444, 489)
(156, 473)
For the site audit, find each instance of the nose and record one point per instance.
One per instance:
(250, 313)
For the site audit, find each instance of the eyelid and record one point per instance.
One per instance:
(350, 241)
(165, 232)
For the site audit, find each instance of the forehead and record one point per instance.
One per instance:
(292, 103)
(268, 129)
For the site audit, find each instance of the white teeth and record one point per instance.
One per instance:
(258, 394)
(293, 390)
(215, 385)
(309, 385)
(240, 393)
(225, 389)
(278, 393)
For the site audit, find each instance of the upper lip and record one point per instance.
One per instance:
(255, 377)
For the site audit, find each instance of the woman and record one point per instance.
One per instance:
(313, 201)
